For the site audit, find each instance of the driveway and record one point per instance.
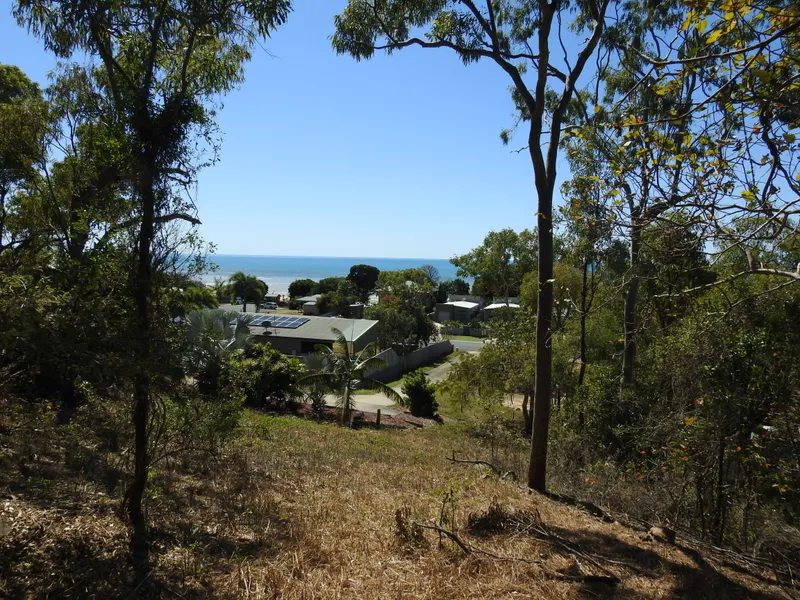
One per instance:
(372, 402)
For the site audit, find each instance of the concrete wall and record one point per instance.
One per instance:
(397, 365)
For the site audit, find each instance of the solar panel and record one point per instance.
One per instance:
(279, 321)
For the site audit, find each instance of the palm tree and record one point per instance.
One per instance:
(219, 287)
(249, 288)
(339, 372)
(211, 335)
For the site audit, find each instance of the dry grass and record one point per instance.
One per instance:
(299, 510)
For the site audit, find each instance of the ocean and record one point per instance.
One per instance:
(279, 271)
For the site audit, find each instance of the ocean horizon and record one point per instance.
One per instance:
(279, 271)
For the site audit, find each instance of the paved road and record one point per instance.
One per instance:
(467, 346)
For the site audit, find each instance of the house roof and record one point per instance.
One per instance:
(318, 329)
(464, 304)
(501, 305)
(306, 299)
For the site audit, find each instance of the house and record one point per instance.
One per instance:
(309, 304)
(462, 311)
(296, 335)
(491, 310)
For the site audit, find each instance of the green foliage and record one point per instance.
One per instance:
(249, 288)
(329, 284)
(420, 394)
(302, 287)
(340, 369)
(365, 278)
(262, 376)
(452, 286)
(339, 300)
(500, 263)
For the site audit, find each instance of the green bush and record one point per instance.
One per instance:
(263, 376)
(420, 394)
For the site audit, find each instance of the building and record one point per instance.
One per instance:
(299, 335)
(491, 310)
(309, 304)
(462, 311)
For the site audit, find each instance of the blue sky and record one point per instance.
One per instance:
(399, 156)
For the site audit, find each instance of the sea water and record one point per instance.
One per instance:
(279, 271)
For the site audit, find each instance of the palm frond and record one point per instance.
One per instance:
(382, 388)
(372, 362)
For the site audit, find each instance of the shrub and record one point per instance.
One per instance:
(263, 376)
(420, 394)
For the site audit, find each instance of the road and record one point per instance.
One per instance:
(467, 346)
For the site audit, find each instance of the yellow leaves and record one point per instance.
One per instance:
(748, 195)
(689, 420)
(714, 36)
(597, 108)
(690, 16)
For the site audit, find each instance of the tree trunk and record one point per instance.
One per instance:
(631, 296)
(526, 414)
(346, 405)
(141, 401)
(582, 367)
(537, 469)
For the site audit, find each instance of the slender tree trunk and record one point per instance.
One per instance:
(141, 405)
(526, 414)
(346, 405)
(631, 297)
(537, 468)
(582, 367)
(584, 310)
(719, 510)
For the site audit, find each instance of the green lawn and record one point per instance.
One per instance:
(466, 338)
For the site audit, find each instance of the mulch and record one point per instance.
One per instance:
(404, 420)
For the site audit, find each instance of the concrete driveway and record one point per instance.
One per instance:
(372, 402)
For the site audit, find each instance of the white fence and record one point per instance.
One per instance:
(397, 365)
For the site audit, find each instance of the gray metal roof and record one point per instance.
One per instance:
(312, 298)
(318, 329)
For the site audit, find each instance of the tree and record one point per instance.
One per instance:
(432, 273)
(501, 34)
(339, 300)
(211, 335)
(302, 287)
(500, 263)
(405, 296)
(343, 369)
(249, 288)
(159, 66)
(365, 277)
(23, 125)
(328, 284)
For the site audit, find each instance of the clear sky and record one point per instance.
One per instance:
(399, 156)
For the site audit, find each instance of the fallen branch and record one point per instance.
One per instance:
(469, 549)
(501, 474)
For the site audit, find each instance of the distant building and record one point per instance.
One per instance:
(299, 335)
(309, 304)
(491, 310)
(460, 310)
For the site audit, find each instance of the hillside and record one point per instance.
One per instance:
(297, 509)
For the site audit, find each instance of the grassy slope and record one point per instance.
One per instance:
(296, 509)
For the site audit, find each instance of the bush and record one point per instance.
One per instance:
(420, 394)
(263, 376)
